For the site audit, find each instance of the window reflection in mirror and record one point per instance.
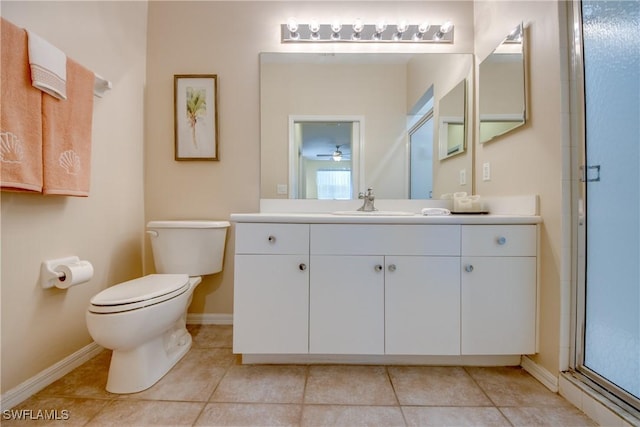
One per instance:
(502, 87)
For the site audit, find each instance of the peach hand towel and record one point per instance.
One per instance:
(66, 135)
(20, 115)
(48, 66)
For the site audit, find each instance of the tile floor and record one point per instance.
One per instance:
(209, 387)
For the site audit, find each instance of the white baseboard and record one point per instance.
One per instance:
(547, 379)
(209, 319)
(53, 373)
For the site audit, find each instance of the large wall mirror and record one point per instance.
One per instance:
(502, 101)
(333, 124)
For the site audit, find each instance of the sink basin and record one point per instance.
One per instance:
(374, 213)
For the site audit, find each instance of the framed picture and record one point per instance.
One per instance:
(196, 116)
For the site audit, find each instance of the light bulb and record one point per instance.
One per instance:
(358, 26)
(446, 27)
(402, 26)
(292, 25)
(336, 26)
(314, 26)
(381, 26)
(424, 27)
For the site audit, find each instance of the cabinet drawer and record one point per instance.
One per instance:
(499, 240)
(266, 238)
(355, 239)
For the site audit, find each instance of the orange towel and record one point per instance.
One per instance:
(66, 135)
(20, 115)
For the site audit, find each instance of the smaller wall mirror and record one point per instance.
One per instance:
(451, 121)
(502, 87)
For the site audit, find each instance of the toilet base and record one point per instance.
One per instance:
(137, 369)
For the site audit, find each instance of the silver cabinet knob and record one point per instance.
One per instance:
(501, 240)
(272, 239)
(468, 268)
(392, 267)
(302, 266)
(378, 267)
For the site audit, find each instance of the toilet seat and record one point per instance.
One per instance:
(139, 293)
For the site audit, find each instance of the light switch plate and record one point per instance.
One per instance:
(463, 177)
(486, 171)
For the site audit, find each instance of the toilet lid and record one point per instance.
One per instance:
(140, 292)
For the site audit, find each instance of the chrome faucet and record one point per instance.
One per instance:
(368, 197)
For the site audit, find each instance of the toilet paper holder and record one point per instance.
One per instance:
(49, 277)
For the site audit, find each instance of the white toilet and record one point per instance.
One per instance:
(144, 320)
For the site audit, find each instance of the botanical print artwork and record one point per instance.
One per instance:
(195, 120)
(196, 109)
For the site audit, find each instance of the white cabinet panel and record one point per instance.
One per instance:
(270, 238)
(498, 305)
(422, 305)
(357, 239)
(271, 304)
(346, 309)
(499, 240)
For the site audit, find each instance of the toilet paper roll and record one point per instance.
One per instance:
(74, 274)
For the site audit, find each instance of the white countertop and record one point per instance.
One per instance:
(329, 218)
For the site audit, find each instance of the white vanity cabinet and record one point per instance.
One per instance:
(271, 289)
(323, 285)
(384, 289)
(499, 289)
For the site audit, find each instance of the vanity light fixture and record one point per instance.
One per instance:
(358, 31)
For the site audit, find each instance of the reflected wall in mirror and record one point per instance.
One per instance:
(502, 87)
(385, 89)
(452, 121)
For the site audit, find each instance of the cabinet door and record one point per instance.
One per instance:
(422, 305)
(346, 308)
(498, 305)
(271, 304)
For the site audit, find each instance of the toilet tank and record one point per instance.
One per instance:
(195, 248)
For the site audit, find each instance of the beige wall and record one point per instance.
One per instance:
(42, 326)
(226, 38)
(529, 160)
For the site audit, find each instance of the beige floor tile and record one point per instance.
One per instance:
(53, 411)
(192, 379)
(147, 413)
(87, 380)
(453, 416)
(211, 336)
(262, 383)
(513, 386)
(351, 416)
(349, 385)
(257, 414)
(433, 385)
(547, 416)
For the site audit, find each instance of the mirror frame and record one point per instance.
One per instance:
(507, 122)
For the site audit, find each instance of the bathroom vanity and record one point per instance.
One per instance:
(323, 284)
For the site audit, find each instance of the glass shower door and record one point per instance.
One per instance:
(611, 52)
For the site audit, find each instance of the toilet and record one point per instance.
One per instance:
(144, 320)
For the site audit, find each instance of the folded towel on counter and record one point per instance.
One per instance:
(20, 115)
(66, 135)
(48, 67)
(435, 211)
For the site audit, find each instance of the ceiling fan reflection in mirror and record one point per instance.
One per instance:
(337, 155)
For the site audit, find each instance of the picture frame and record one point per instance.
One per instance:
(196, 116)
